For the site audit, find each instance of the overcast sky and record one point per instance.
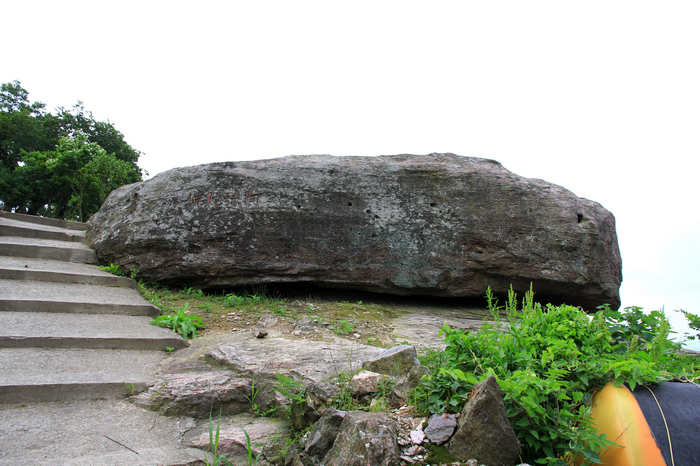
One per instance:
(601, 97)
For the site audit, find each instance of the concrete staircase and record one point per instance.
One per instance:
(68, 332)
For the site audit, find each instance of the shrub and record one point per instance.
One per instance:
(549, 360)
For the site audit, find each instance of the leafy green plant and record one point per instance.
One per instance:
(693, 323)
(293, 391)
(192, 292)
(180, 322)
(169, 350)
(255, 409)
(114, 269)
(233, 300)
(280, 311)
(343, 327)
(214, 444)
(548, 361)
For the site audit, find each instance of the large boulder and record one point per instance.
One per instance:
(437, 224)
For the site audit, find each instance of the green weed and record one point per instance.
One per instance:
(114, 269)
(214, 444)
(344, 327)
(180, 322)
(251, 461)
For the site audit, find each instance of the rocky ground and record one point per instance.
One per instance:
(320, 338)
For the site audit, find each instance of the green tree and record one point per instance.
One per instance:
(23, 126)
(61, 165)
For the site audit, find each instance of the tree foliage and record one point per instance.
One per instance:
(61, 165)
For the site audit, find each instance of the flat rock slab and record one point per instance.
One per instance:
(232, 440)
(76, 433)
(315, 361)
(438, 224)
(420, 327)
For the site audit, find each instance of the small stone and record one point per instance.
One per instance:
(408, 459)
(257, 333)
(417, 437)
(440, 428)
(415, 450)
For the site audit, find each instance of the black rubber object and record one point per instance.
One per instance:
(680, 403)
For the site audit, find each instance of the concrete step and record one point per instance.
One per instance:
(37, 248)
(22, 268)
(54, 374)
(13, 227)
(92, 433)
(33, 296)
(104, 331)
(53, 222)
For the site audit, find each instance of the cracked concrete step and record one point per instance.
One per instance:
(13, 227)
(92, 433)
(105, 331)
(22, 268)
(37, 248)
(56, 374)
(33, 296)
(53, 222)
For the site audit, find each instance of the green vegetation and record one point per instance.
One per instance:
(62, 165)
(693, 323)
(548, 361)
(181, 322)
(214, 444)
(343, 327)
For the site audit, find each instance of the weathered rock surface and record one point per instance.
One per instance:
(314, 361)
(317, 399)
(321, 437)
(365, 439)
(365, 382)
(197, 394)
(482, 425)
(232, 441)
(396, 361)
(440, 428)
(437, 224)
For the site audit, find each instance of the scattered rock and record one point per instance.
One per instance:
(257, 333)
(304, 326)
(484, 431)
(318, 397)
(322, 436)
(365, 382)
(437, 224)
(365, 439)
(417, 437)
(440, 428)
(410, 381)
(197, 394)
(396, 361)
(267, 320)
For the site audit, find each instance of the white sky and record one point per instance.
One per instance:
(601, 97)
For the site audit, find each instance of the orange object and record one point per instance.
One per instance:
(617, 414)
